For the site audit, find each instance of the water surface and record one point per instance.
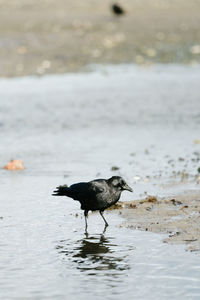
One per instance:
(76, 127)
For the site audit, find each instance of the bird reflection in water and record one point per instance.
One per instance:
(93, 254)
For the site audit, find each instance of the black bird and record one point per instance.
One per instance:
(94, 195)
(117, 10)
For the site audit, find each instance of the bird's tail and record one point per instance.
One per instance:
(60, 190)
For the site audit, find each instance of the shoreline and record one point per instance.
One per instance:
(178, 216)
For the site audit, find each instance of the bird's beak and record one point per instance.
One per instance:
(127, 188)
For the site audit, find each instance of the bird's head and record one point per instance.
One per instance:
(118, 183)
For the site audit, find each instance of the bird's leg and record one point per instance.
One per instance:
(86, 216)
(104, 230)
(101, 213)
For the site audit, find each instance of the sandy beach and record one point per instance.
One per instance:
(46, 37)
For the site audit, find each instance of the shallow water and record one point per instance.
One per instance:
(45, 253)
(80, 125)
(76, 127)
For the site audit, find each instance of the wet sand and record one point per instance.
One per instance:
(48, 37)
(179, 217)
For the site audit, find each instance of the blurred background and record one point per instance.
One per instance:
(66, 35)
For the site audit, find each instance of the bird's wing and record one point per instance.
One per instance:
(96, 191)
(96, 186)
(84, 190)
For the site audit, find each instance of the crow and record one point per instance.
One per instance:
(117, 10)
(97, 194)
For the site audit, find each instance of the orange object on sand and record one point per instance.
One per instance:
(15, 164)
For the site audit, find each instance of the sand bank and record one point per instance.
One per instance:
(179, 217)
